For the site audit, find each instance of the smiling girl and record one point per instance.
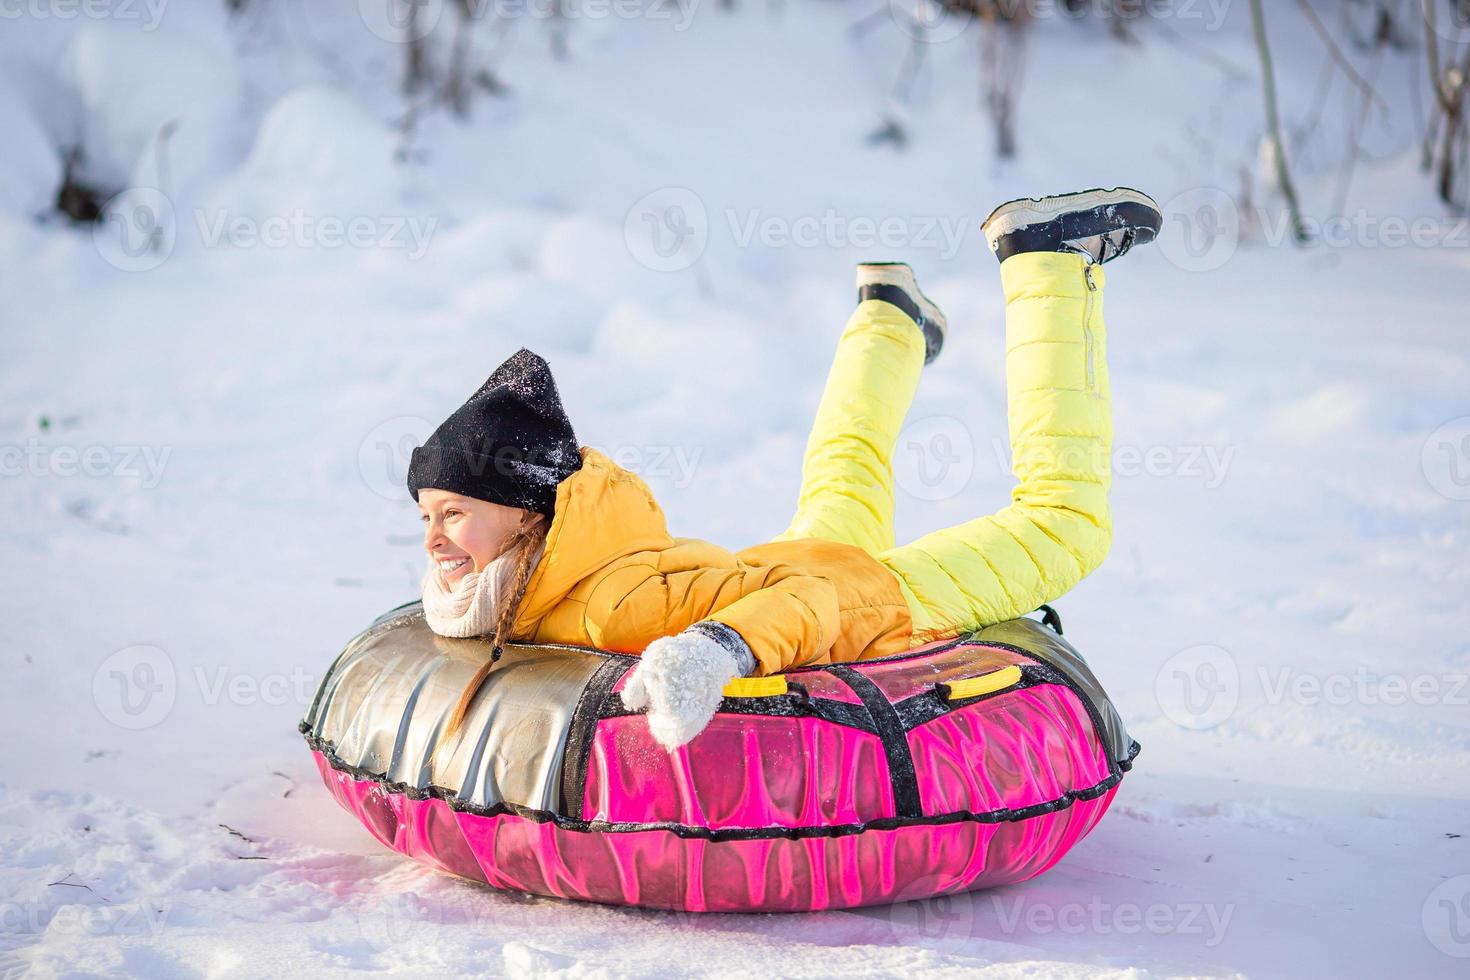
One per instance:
(531, 538)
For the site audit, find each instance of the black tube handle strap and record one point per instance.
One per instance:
(890, 728)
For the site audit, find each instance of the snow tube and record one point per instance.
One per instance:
(968, 763)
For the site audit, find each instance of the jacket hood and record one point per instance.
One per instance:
(603, 512)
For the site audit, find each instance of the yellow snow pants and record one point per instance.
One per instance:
(1057, 527)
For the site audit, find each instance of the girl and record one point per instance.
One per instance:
(533, 539)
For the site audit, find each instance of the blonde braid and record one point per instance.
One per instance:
(522, 545)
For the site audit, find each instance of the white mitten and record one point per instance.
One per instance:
(680, 680)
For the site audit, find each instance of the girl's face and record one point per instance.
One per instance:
(462, 534)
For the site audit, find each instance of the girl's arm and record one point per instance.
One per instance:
(787, 618)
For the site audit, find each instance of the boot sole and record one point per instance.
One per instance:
(1025, 211)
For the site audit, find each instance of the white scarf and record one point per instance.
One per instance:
(471, 607)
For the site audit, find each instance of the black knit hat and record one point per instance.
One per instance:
(511, 443)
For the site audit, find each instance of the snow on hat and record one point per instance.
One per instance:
(511, 443)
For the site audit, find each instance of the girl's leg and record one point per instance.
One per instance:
(847, 473)
(1057, 527)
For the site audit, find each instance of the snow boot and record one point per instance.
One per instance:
(894, 282)
(1100, 224)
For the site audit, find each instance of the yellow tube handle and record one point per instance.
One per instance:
(755, 687)
(971, 687)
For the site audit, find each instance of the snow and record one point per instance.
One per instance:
(215, 502)
(33, 170)
(317, 152)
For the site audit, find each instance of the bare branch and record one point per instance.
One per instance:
(1273, 124)
(1337, 55)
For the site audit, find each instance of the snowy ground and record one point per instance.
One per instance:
(213, 502)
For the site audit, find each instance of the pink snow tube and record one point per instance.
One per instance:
(964, 764)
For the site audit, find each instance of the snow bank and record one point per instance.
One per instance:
(319, 153)
(32, 173)
(156, 107)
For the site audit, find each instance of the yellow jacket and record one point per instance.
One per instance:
(613, 577)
